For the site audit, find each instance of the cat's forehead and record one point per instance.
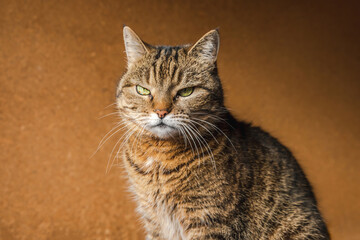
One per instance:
(165, 56)
(164, 65)
(168, 51)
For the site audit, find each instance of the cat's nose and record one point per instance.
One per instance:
(161, 112)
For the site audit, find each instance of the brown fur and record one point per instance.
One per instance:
(208, 176)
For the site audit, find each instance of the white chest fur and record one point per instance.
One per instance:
(169, 223)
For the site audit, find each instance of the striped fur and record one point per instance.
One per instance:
(205, 175)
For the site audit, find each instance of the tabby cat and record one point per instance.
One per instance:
(197, 172)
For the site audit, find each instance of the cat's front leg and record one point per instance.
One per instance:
(205, 226)
(213, 232)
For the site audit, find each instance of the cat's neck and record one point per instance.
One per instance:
(158, 143)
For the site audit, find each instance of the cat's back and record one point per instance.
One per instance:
(260, 145)
(270, 161)
(278, 187)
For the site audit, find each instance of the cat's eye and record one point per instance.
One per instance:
(186, 92)
(142, 91)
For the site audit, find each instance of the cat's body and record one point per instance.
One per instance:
(197, 173)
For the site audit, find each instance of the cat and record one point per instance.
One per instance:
(196, 172)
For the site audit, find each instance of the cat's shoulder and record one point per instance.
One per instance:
(257, 136)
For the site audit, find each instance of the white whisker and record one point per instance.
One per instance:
(110, 114)
(108, 167)
(103, 140)
(204, 143)
(110, 105)
(214, 126)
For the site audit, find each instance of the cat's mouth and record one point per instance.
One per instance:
(162, 125)
(163, 130)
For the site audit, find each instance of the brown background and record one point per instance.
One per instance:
(290, 66)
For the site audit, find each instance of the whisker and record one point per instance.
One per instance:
(137, 138)
(206, 145)
(182, 134)
(193, 135)
(192, 121)
(189, 133)
(123, 144)
(110, 114)
(216, 117)
(110, 105)
(141, 133)
(103, 140)
(108, 167)
(214, 126)
(186, 137)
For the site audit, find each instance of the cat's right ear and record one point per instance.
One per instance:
(207, 48)
(135, 48)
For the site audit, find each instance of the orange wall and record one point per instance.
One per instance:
(290, 66)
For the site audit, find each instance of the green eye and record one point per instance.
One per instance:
(142, 91)
(186, 92)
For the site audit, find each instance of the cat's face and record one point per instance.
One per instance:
(169, 91)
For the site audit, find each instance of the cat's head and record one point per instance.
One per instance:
(168, 91)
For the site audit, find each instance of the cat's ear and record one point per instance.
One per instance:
(135, 48)
(207, 48)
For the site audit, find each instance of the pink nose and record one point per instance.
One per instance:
(161, 112)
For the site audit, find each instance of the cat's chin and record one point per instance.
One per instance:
(163, 131)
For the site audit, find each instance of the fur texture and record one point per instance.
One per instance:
(197, 173)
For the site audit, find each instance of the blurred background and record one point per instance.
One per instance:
(291, 67)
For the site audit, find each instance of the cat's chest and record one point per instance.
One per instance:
(157, 197)
(169, 221)
(162, 207)
(153, 171)
(148, 180)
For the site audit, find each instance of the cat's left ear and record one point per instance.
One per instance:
(134, 46)
(207, 48)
